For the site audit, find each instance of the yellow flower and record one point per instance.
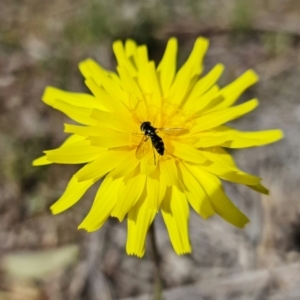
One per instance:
(188, 113)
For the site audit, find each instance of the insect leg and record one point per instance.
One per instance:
(142, 148)
(154, 156)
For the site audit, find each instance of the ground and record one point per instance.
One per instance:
(45, 256)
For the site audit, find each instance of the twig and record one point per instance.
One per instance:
(158, 285)
(284, 279)
(88, 275)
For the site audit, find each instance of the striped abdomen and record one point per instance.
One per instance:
(158, 143)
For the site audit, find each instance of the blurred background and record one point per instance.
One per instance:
(44, 256)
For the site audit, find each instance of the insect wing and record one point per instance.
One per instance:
(142, 148)
(174, 131)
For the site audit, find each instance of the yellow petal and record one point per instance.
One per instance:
(149, 84)
(259, 188)
(229, 174)
(91, 69)
(229, 137)
(115, 78)
(127, 163)
(162, 189)
(189, 72)
(203, 85)
(210, 141)
(195, 194)
(130, 85)
(148, 163)
(77, 113)
(175, 212)
(154, 84)
(153, 193)
(216, 118)
(197, 55)
(218, 199)
(207, 101)
(156, 188)
(108, 103)
(191, 69)
(51, 94)
(130, 48)
(167, 67)
(112, 88)
(74, 138)
(41, 161)
(117, 122)
(219, 155)
(104, 202)
(74, 191)
(142, 63)
(142, 57)
(233, 91)
(240, 139)
(168, 171)
(123, 59)
(112, 139)
(70, 140)
(222, 165)
(185, 152)
(128, 195)
(106, 162)
(83, 131)
(76, 153)
(140, 218)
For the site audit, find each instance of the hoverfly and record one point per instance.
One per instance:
(150, 132)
